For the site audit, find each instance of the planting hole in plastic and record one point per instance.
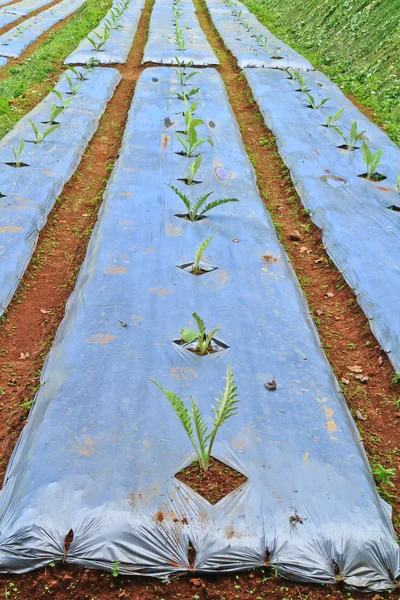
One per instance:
(203, 268)
(267, 558)
(215, 346)
(394, 207)
(374, 177)
(214, 484)
(345, 147)
(191, 556)
(186, 216)
(14, 164)
(69, 538)
(182, 153)
(2, 195)
(186, 182)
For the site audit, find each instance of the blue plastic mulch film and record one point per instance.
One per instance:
(101, 446)
(12, 13)
(17, 39)
(162, 44)
(121, 22)
(252, 44)
(359, 218)
(28, 193)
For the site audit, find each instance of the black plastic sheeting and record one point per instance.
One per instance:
(102, 444)
(27, 194)
(161, 46)
(358, 218)
(118, 45)
(241, 31)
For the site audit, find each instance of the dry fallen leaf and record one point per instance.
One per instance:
(355, 369)
(360, 416)
(24, 355)
(235, 240)
(362, 378)
(319, 312)
(270, 385)
(319, 260)
(303, 249)
(329, 295)
(380, 360)
(345, 381)
(44, 311)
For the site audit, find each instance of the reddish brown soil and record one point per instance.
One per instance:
(29, 326)
(214, 484)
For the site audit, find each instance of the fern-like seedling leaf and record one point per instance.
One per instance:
(199, 253)
(194, 213)
(227, 406)
(200, 325)
(216, 203)
(201, 432)
(182, 413)
(183, 197)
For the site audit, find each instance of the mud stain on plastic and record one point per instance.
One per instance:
(69, 538)
(269, 258)
(334, 180)
(158, 517)
(100, 339)
(183, 373)
(160, 291)
(172, 230)
(115, 270)
(135, 320)
(383, 189)
(222, 276)
(10, 229)
(83, 447)
(330, 423)
(165, 139)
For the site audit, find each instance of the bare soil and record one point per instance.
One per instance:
(214, 484)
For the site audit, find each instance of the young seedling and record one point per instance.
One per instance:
(180, 40)
(192, 170)
(372, 161)
(185, 96)
(398, 182)
(73, 89)
(354, 137)
(313, 104)
(18, 150)
(201, 337)
(331, 120)
(92, 63)
(180, 70)
(227, 406)
(277, 51)
(101, 39)
(199, 206)
(196, 268)
(55, 111)
(192, 141)
(302, 83)
(291, 74)
(64, 103)
(78, 74)
(40, 137)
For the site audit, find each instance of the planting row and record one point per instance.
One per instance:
(252, 44)
(111, 41)
(38, 156)
(97, 458)
(347, 173)
(12, 13)
(175, 32)
(17, 39)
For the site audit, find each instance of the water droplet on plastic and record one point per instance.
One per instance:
(222, 173)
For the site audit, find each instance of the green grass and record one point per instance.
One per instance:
(28, 82)
(354, 42)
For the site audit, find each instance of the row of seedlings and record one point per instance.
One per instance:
(200, 341)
